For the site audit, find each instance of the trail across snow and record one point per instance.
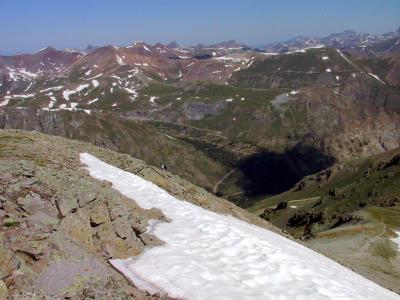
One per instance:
(212, 256)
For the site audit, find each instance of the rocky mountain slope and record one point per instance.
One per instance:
(59, 226)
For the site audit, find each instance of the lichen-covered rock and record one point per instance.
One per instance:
(7, 266)
(85, 197)
(77, 226)
(68, 203)
(32, 249)
(118, 248)
(150, 240)
(60, 277)
(99, 215)
(3, 290)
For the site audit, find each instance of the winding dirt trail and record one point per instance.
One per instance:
(215, 189)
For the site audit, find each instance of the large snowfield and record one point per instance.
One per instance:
(212, 256)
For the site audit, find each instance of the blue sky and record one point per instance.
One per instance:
(28, 25)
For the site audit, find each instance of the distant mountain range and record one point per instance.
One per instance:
(58, 76)
(366, 44)
(362, 43)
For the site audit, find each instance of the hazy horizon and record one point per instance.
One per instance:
(31, 25)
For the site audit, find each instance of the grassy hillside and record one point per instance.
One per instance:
(345, 188)
(141, 140)
(294, 70)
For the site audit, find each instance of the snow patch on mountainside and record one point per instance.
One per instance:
(93, 101)
(53, 100)
(68, 93)
(27, 73)
(97, 76)
(22, 96)
(120, 60)
(95, 83)
(153, 99)
(4, 102)
(212, 256)
(377, 78)
(55, 88)
(21, 74)
(304, 50)
(132, 92)
(82, 87)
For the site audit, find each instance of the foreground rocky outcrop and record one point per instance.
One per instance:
(59, 226)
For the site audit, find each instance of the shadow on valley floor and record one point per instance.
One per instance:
(271, 173)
